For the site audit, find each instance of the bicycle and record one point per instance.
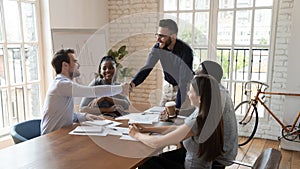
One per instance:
(250, 119)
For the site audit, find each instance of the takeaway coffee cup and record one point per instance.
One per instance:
(170, 108)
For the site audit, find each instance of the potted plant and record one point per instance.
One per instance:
(118, 54)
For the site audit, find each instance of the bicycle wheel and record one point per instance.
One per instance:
(290, 136)
(248, 126)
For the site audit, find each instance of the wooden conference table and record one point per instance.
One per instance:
(60, 150)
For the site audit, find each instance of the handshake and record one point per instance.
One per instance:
(127, 88)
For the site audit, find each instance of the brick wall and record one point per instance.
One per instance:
(133, 23)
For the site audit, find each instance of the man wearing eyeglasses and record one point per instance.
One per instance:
(176, 58)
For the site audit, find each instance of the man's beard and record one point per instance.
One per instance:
(74, 74)
(167, 43)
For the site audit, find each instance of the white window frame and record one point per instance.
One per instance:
(212, 36)
(4, 128)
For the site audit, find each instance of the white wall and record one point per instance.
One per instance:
(78, 14)
(292, 104)
(78, 24)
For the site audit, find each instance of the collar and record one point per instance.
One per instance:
(60, 77)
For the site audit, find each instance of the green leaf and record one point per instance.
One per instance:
(122, 49)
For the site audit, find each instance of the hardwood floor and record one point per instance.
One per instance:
(248, 153)
(6, 142)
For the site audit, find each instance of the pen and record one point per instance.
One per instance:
(149, 113)
(87, 131)
(117, 130)
(114, 129)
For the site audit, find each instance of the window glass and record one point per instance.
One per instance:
(243, 27)
(262, 26)
(260, 58)
(185, 27)
(244, 3)
(15, 64)
(201, 27)
(33, 93)
(223, 57)
(18, 103)
(225, 4)
(31, 62)
(2, 68)
(1, 29)
(171, 16)
(202, 4)
(260, 3)
(4, 113)
(185, 4)
(225, 25)
(170, 5)
(200, 54)
(12, 21)
(241, 65)
(29, 23)
(19, 62)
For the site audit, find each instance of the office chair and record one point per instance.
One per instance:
(25, 130)
(269, 159)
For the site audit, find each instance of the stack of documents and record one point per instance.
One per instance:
(147, 117)
(102, 128)
(89, 130)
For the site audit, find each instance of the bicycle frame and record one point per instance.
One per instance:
(258, 99)
(273, 115)
(289, 132)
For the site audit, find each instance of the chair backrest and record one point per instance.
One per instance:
(26, 130)
(268, 159)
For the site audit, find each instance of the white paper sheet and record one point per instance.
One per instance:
(119, 131)
(98, 122)
(128, 137)
(141, 118)
(89, 130)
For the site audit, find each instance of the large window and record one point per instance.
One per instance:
(19, 62)
(236, 33)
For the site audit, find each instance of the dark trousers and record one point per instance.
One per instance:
(168, 160)
(217, 165)
(172, 160)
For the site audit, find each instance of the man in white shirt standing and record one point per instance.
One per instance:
(58, 110)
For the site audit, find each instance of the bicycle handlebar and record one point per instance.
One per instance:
(259, 87)
(258, 82)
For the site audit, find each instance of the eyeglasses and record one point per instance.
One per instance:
(157, 35)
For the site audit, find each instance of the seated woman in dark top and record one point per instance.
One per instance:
(111, 106)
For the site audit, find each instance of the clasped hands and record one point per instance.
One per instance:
(127, 88)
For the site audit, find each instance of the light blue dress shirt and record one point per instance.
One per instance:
(58, 110)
